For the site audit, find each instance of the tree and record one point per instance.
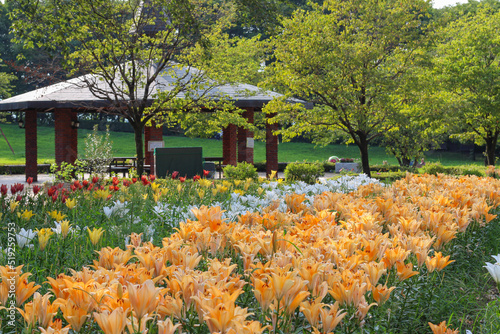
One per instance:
(412, 132)
(126, 46)
(347, 57)
(467, 67)
(257, 17)
(417, 124)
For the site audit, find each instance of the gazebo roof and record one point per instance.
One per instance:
(75, 93)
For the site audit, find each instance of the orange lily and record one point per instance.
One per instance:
(330, 317)
(44, 310)
(111, 322)
(263, 293)
(405, 271)
(438, 262)
(381, 293)
(442, 329)
(143, 298)
(167, 327)
(74, 315)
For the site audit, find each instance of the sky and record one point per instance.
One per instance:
(443, 3)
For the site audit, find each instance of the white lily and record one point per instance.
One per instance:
(108, 211)
(24, 237)
(494, 270)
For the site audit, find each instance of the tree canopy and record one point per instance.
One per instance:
(364, 64)
(347, 57)
(467, 69)
(125, 46)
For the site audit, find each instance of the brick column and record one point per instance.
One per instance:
(229, 145)
(245, 152)
(66, 146)
(242, 144)
(271, 147)
(151, 133)
(31, 145)
(74, 138)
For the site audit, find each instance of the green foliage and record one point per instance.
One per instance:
(491, 323)
(5, 84)
(469, 76)
(417, 123)
(304, 171)
(470, 171)
(125, 48)
(329, 167)
(98, 151)
(435, 168)
(347, 57)
(391, 168)
(66, 171)
(242, 171)
(389, 177)
(262, 165)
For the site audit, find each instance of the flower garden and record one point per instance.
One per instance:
(349, 255)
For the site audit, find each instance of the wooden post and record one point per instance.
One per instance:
(245, 139)
(229, 145)
(65, 136)
(31, 144)
(151, 133)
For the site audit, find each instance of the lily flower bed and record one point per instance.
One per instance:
(164, 256)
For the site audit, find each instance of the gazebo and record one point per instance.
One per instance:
(69, 98)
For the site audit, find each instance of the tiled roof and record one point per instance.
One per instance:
(75, 93)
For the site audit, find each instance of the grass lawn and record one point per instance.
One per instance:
(123, 144)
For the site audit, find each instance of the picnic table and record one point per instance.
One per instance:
(123, 165)
(216, 159)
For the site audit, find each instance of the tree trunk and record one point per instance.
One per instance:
(491, 144)
(139, 148)
(363, 149)
(406, 162)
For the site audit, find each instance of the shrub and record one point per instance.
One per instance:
(304, 171)
(241, 171)
(98, 151)
(66, 171)
(492, 172)
(436, 167)
(261, 166)
(392, 168)
(389, 177)
(471, 171)
(329, 167)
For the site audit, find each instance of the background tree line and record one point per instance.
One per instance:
(400, 73)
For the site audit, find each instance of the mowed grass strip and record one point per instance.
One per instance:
(124, 145)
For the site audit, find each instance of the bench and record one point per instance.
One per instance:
(122, 165)
(218, 167)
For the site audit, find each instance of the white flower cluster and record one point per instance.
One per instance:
(273, 191)
(276, 192)
(171, 214)
(118, 209)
